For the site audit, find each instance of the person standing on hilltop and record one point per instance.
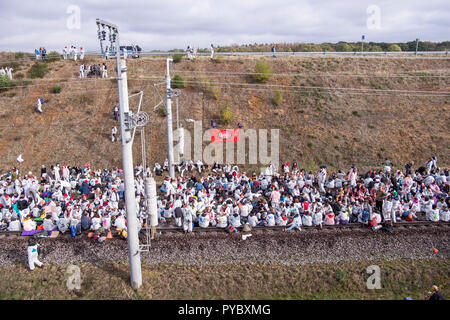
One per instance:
(113, 134)
(75, 53)
(212, 52)
(104, 71)
(9, 73)
(116, 112)
(44, 54)
(81, 53)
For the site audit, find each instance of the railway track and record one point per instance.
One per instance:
(403, 225)
(162, 229)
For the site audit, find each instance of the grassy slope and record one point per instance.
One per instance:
(399, 279)
(315, 128)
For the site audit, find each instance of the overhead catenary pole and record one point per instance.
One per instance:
(178, 120)
(127, 163)
(169, 120)
(151, 204)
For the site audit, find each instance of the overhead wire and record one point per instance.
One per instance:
(314, 74)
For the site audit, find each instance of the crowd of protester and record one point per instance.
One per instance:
(73, 53)
(78, 199)
(93, 71)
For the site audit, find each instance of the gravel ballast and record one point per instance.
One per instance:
(269, 247)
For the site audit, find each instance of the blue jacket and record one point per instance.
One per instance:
(85, 188)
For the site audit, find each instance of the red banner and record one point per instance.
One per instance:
(226, 135)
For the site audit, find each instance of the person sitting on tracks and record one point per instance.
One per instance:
(329, 217)
(444, 214)
(226, 191)
(14, 224)
(29, 224)
(317, 216)
(344, 216)
(187, 218)
(203, 221)
(433, 214)
(48, 224)
(296, 223)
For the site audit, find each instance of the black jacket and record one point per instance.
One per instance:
(437, 296)
(22, 204)
(85, 223)
(178, 212)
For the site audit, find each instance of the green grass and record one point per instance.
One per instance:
(177, 58)
(38, 70)
(262, 73)
(56, 89)
(343, 280)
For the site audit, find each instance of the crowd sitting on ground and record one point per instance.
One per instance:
(296, 198)
(83, 199)
(93, 71)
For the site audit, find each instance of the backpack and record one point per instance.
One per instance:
(373, 223)
(230, 229)
(41, 234)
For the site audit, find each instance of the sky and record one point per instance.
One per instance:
(169, 24)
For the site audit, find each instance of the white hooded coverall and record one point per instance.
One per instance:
(32, 252)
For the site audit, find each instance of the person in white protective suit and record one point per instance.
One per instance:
(104, 71)
(318, 216)
(307, 219)
(113, 134)
(352, 176)
(199, 166)
(444, 214)
(65, 53)
(203, 220)
(82, 74)
(81, 53)
(33, 250)
(187, 218)
(433, 214)
(9, 73)
(212, 52)
(321, 178)
(75, 53)
(39, 105)
(296, 223)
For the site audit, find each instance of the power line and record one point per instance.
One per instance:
(253, 89)
(218, 84)
(65, 93)
(62, 82)
(313, 74)
(246, 86)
